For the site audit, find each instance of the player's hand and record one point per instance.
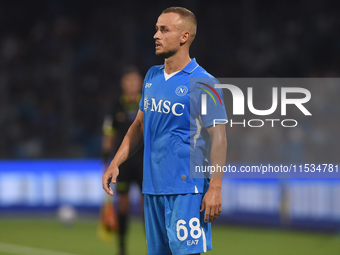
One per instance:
(109, 176)
(212, 204)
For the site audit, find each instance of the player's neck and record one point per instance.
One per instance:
(176, 63)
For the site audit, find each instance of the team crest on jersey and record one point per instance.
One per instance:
(146, 103)
(181, 91)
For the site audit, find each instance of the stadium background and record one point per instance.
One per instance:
(60, 67)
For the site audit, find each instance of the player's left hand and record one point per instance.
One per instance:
(212, 204)
(110, 176)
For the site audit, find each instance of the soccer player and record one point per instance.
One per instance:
(176, 127)
(115, 126)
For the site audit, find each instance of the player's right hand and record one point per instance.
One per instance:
(109, 176)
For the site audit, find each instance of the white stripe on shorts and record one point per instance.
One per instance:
(204, 241)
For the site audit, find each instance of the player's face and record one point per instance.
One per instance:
(132, 83)
(167, 34)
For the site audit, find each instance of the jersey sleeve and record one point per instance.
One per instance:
(141, 102)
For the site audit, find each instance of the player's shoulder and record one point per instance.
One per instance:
(153, 71)
(201, 76)
(156, 68)
(200, 72)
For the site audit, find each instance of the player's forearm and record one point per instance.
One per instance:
(131, 143)
(218, 153)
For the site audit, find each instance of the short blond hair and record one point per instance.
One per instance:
(184, 14)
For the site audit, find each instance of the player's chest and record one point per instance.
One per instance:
(167, 97)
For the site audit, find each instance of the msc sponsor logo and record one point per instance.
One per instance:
(146, 103)
(163, 106)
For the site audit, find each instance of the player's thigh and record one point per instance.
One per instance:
(155, 228)
(187, 231)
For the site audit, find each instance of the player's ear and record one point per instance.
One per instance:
(184, 37)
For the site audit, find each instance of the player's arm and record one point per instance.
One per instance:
(212, 200)
(131, 143)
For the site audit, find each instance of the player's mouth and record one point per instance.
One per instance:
(158, 45)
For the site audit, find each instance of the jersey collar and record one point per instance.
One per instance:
(189, 68)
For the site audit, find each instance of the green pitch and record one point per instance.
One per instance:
(49, 237)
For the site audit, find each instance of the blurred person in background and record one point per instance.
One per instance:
(116, 124)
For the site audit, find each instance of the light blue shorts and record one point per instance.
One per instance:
(174, 225)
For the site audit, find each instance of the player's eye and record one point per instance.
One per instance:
(163, 30)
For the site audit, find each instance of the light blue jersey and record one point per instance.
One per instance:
(173, 121)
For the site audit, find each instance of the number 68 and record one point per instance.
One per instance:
(193, 228)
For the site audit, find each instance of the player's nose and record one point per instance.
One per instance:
(156, 35)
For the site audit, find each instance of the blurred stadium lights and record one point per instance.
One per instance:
(42, 186)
